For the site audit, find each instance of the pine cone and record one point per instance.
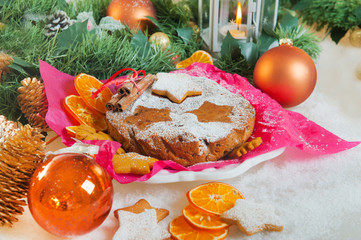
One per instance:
(33, 102)
(5, 61)
(20, 155)
(57, 22)
(6, 128)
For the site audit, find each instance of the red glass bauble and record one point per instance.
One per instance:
(70, 194)
(287, 74)
(132, 12)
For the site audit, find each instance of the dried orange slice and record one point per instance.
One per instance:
(180, 229)
(198, 56)
(214, 197)
(76, 107)
(202, 219)
(86, 85)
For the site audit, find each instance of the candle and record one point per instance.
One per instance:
(236, 29)
(237, 33)
(239, 15)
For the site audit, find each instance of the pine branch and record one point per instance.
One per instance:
(329, 13)
(302, 38)
(237, 65)
(103, 56)
(8, 105)
(173, 16)
(98, 7)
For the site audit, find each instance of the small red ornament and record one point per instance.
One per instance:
(70, 194)
(132, 12)
(286, 73)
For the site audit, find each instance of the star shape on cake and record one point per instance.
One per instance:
(176, 86)
(141, 226)
(140, 207)
(253, 217)
(210, 112)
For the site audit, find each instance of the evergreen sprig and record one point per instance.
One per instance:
(337, 17)
(9, 106)
(14, 10)
(238, 65)
(302, 38)
(103, 56)
(100, 56)
(98, 7)
(173, 16)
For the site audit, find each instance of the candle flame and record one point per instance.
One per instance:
(239, 13)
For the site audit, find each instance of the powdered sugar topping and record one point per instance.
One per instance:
(176, 84)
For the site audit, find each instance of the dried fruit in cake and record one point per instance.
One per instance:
(214, 197)
(253, 217)
(86, 85)
(78, 109)
(180, 229)
(198, 56)
(132, 162)
(141, 206)
(202, 219)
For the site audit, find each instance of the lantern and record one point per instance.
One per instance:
(244, 20)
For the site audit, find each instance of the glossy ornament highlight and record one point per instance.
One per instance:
(70, 194)
(132, 12)
(160, 39)
(287, 74)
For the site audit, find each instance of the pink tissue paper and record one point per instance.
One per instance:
(276, 126)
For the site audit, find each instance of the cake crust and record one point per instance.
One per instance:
(202, 128)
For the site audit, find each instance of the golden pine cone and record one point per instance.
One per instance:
(20, 155)
(33, 102)
(5, 61)
(6, 128)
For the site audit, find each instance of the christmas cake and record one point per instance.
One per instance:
(203, 127)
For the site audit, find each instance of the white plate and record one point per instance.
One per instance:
(226, 172)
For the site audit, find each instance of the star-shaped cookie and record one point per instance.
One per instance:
(141, 206)
(252, 217)
(141, 226)
(176, 86)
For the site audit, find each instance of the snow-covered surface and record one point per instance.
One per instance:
(317, 197)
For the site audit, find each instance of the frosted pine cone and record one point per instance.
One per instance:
(6, 128)
(57, 22)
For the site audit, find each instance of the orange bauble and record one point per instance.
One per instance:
(70, 194)
(287, 74)
(132, 12)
